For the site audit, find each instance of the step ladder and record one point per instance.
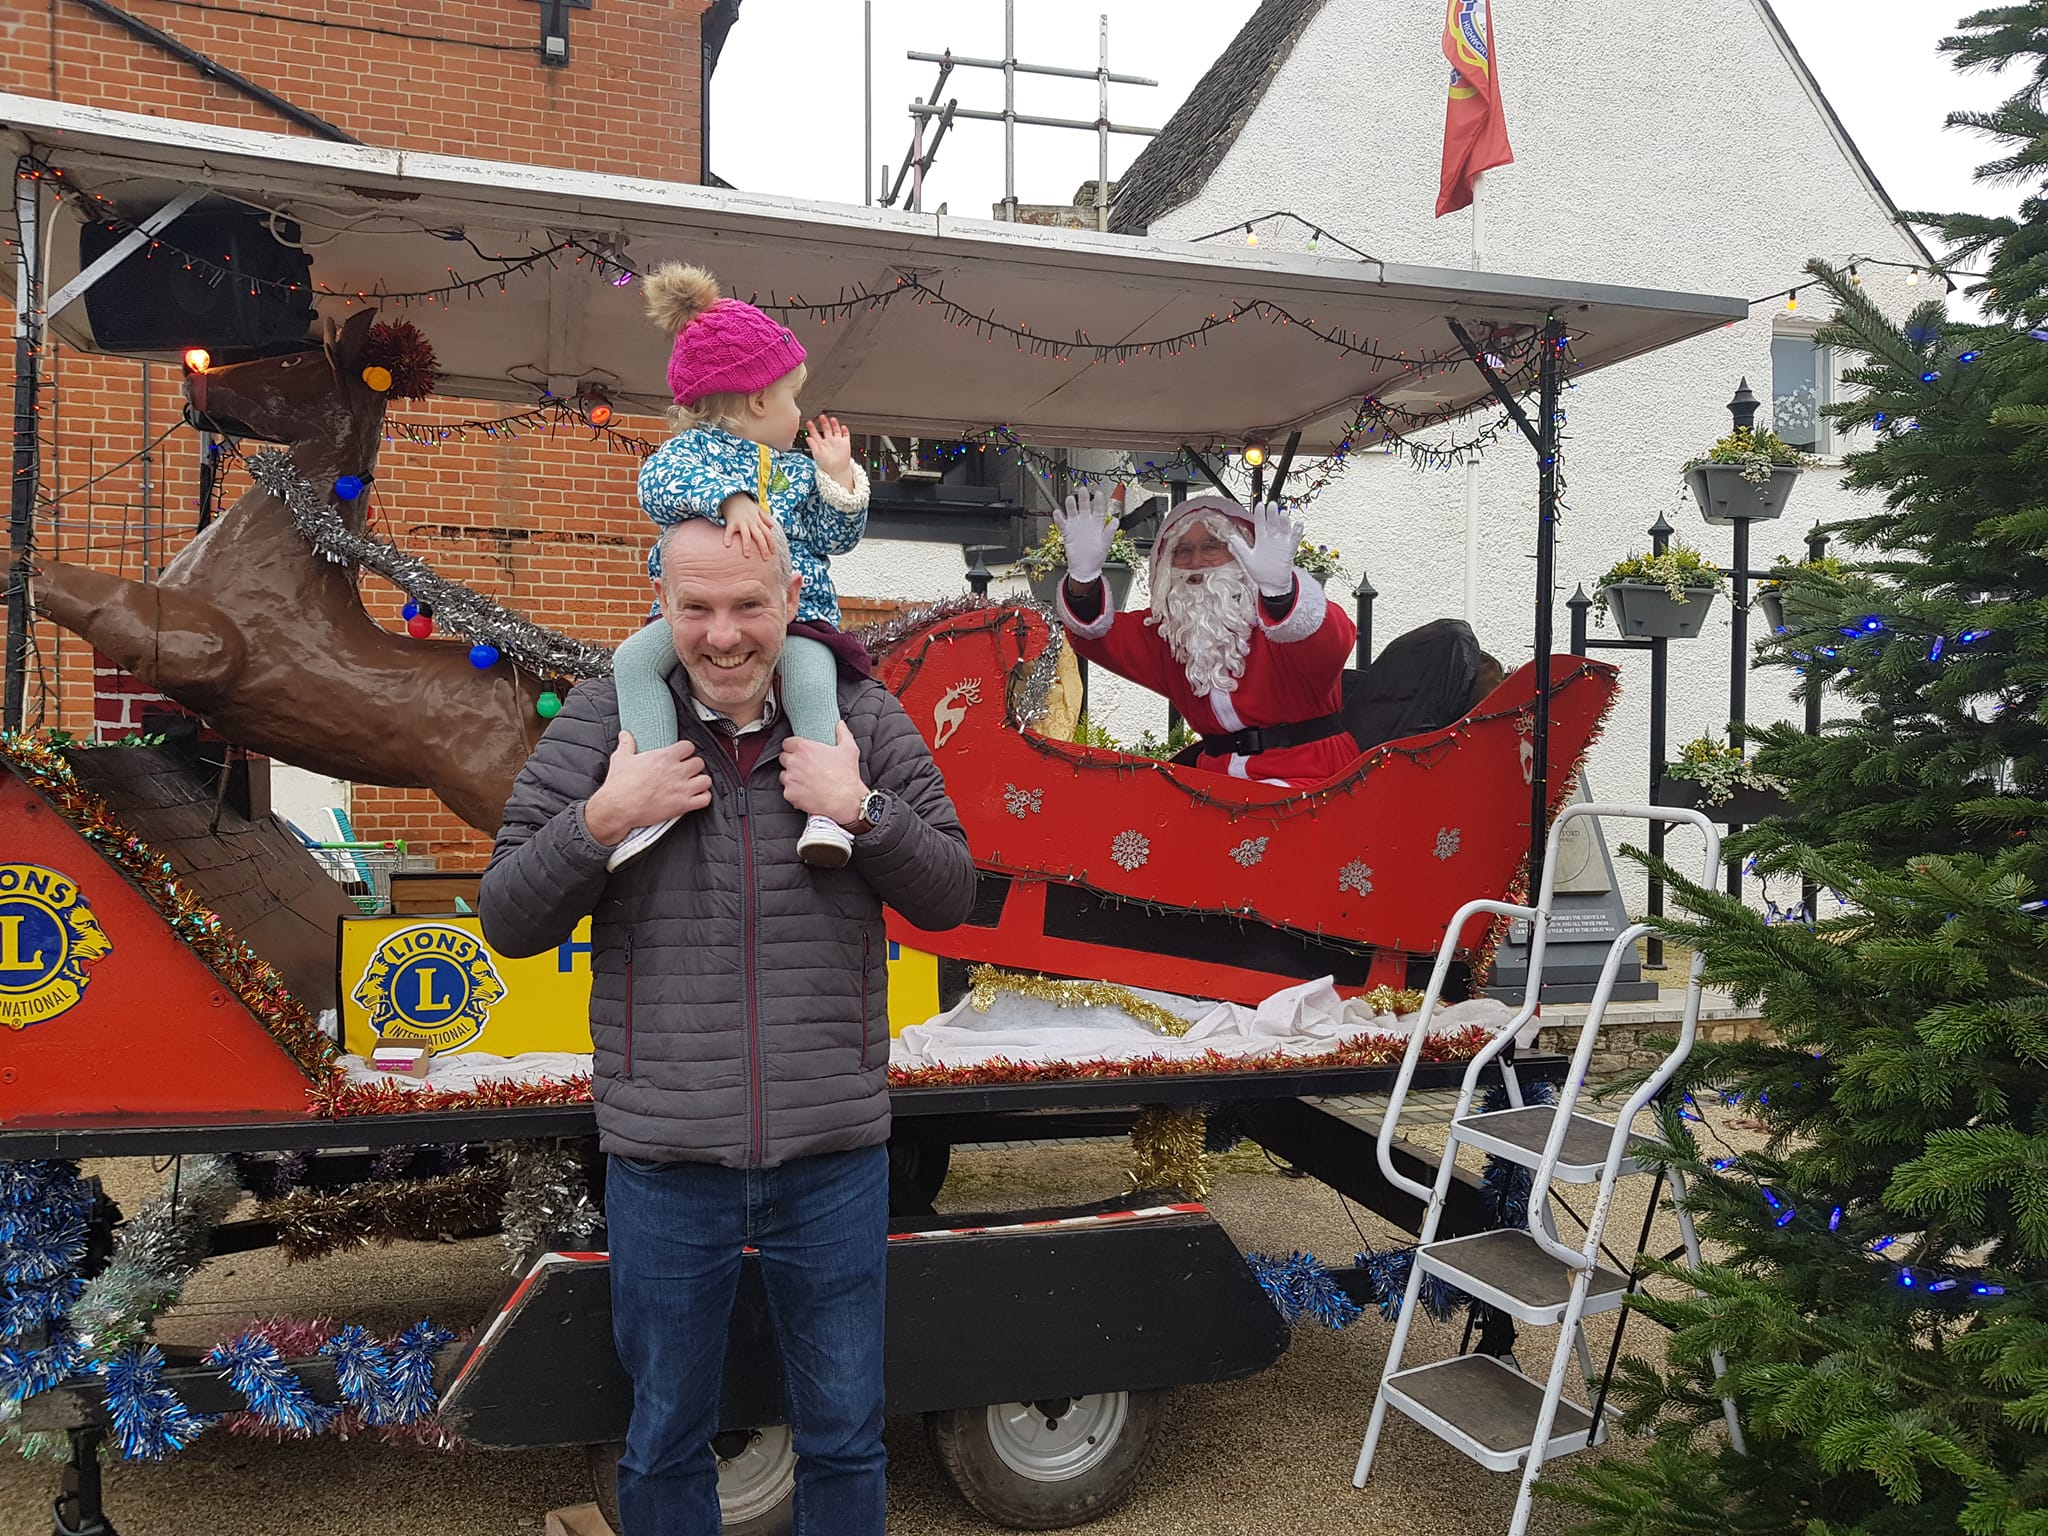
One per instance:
(1483, 1405)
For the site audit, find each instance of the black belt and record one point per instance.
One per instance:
(1253, 740)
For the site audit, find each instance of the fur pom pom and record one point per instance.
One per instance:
(398, 347)
(678, 294)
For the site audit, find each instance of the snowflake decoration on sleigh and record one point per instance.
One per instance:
(1023, 802)
(1355, 876)
(1250, 851)
(1129, 849)
(1447, 839)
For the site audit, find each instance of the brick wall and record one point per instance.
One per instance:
(547, 525)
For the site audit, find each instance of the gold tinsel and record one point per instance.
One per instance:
(1167, 1150)
(314, 1223)
(1395, 1000)
(987, 981)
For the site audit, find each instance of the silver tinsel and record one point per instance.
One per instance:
(525, 644)
(1032, 699)
(158, 1249)
(545, 1193)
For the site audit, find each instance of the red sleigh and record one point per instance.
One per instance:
(1102, 865)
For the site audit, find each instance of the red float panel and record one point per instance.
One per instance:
(108, 1016)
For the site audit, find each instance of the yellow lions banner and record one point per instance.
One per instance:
(433, 981)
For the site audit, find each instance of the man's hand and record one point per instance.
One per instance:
(831, 449)
(641, 789)
(824, 781)
(749, 524)
(1087, 527)
(1270, 562)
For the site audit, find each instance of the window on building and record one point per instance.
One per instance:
(1802, 382)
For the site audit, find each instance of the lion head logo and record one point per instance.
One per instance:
(429, 984)
(49, 941)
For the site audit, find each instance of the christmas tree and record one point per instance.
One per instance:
(1880, 1276)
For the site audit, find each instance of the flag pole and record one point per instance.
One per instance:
(1472, 463)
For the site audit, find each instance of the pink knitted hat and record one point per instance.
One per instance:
(723, 347)
(1193, 510)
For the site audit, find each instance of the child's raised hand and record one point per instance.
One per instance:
(831, 448)
(746, 522)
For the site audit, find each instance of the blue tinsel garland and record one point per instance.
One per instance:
(44, 1212)
(412, 1370)
(275, 1394)
(1299, 1286)
(149, 1420)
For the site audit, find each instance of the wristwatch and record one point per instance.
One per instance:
(872, 810)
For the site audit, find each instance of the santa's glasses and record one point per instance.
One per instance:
(1200, 550)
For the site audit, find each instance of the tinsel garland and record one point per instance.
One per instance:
(1167, 1149)
(149, 1419)
(545, 1194)
(1362, 1051)
(44, 1210)
(157, 1251)
(398, 1373)
(987, 981)
(1387, 1274)
(338, 1098)
(314, 1223)
(199, 928)
(362, 1372)
(1399, 1001)
(1299, 1286)
(542, 652)
(255, 1369)
(1506, 1185)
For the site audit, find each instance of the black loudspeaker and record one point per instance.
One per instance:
(192, 287)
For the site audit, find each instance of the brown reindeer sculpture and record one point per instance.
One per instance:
(269, 642)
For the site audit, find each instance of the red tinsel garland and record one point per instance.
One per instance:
(339, 1097)
(261, 990)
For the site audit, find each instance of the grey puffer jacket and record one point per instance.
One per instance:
(739, 998)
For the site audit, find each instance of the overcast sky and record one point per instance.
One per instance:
(787, 112)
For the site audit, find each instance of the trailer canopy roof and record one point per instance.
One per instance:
(395, 221)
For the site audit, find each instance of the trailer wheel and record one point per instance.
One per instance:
(756, 1481)
(1049, 1464)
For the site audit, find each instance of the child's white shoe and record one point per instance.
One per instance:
(638, 842)
(825, 844)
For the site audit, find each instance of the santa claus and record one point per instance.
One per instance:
(1248, 649)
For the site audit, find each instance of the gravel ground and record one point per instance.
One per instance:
(1272, 1454)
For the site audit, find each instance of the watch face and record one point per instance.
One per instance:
(871, 809)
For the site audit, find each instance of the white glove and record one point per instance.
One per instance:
(1270, 562)
(1087, 526)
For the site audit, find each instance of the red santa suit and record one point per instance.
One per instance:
(1293, 672)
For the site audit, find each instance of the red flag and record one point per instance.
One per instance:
(1475, 127)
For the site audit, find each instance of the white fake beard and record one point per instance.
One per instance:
(1207, 625)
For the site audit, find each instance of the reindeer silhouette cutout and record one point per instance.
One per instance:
(951, 710)
(270, 643)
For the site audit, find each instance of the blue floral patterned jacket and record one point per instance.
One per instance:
(693, 473)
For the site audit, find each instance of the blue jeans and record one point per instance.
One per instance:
(821, 1227)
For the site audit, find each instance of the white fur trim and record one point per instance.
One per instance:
(838, 497)
(1304, 618)
(1226, 712)
(1093, 629)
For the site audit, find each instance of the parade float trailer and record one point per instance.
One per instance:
(175, 935)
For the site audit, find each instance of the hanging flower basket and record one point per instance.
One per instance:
(1117, 573)
(1648, 609)
(1770, 607)
(1743, 807)
(1727, 495)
